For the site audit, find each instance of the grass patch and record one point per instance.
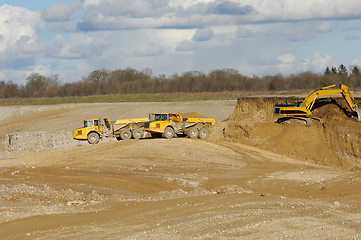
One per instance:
(158, 97)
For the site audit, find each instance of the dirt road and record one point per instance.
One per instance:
(226, 187)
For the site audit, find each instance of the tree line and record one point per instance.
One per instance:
(126, 81)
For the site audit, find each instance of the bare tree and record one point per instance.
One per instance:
(100, 75)
(35, 81)
(53, 80)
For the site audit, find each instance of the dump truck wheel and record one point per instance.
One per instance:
(168, 132)
(192, 133)
(137, 133)
(125, 134)
(93, 138)
(203, 134)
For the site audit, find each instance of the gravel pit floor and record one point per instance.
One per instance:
(181, 188)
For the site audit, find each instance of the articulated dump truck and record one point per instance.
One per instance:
(95, 129)
(169, 124)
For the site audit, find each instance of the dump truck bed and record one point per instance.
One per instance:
(133, 120)
(123, 122)
(199, 120)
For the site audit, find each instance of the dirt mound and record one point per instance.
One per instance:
(335, 141)
(257, 109)
(335, 109)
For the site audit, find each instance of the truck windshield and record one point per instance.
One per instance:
(88, 123)
(160, 117)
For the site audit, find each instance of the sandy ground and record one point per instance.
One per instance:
(241, 183)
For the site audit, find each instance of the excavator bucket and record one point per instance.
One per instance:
(358, 112)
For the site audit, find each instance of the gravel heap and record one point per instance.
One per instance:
(20, 143)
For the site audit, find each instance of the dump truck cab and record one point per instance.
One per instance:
(91, 131)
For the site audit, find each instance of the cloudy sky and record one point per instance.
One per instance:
(256, 37)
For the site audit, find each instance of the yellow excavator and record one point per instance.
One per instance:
(302, 110)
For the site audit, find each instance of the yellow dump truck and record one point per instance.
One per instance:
(169, 124)
(95, 129)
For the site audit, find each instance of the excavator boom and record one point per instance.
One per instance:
(330, 90)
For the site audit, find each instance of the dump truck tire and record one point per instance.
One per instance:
(203, 134)
(168, 132)
(137, 133)
(125, 134)
(93, 138)
(192, 133)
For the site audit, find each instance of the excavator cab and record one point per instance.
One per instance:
(295, 104)
(290, 110)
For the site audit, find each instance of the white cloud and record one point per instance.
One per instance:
(351, 36)
(19, 45)
(59, 11)
(20, 76)
(290, 10)
(203, 35)
(287, 62)
(76, 72)
(65, 52)
(62, 49)
(16, 22)
(318, 63)
(325, 27)
(287, 58)
(15, 76)
(82, 67)
(185, 46)
(58, 40)
(41, 69)
(355, 26)
(243, 32)
(150, 50)
(27, 46)
(80, 45)
(297, 34)
(124, 14)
